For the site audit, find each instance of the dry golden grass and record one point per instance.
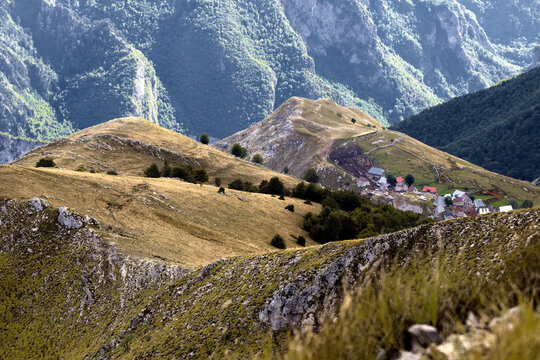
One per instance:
(89, 150)
(164, 218)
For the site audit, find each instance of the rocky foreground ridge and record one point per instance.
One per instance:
(68, 293)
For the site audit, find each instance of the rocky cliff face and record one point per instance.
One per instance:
(62, 284)
(12, 148)
(203, 66)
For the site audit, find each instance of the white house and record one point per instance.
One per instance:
(506, 208)
(362, 182)
(483, 210)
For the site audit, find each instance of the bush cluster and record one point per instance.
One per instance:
(184, 172)
(366, 220)
(273, 186)
(45, 162)
(278, 242)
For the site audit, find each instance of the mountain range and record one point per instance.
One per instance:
(218, 67)
(100, 262)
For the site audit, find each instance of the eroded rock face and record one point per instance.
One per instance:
(351, 158)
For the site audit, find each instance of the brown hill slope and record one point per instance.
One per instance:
(164, 219)
(130, 145)
(306, 133)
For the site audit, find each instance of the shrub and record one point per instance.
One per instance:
(353, 120)
(152, 171)
(205, 139)
(167, 171)
(409, 179)
(217, 182)
(238, 151)
(79, 170)
(242, 186)
(286, 170)
(448, 201)
(112, 172)
(281, 197)
(330, 202)
(183, 172)
(278, 242)
(221, 190)
(391, 179)
(527, 204)
(45, 162)
(274, 186)
(311, 176)
(290, 207)
(307, 202)
(200, 175)
(301, 241)
(257, 159)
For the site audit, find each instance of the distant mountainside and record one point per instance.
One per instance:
(497, 128)
(12, 148)
(219, 66)
(303, 134)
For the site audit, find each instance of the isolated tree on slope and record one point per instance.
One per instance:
(205, 139)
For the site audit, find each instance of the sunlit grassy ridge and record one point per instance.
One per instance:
(70, 286)
(302, 133)
(129, 145)
(165, 218)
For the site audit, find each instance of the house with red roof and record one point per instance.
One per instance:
(401, 185)
(430, 189)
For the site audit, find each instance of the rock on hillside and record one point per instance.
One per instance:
(78, 286)
(12, 148)
(217, 67)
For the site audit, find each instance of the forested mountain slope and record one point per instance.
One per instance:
(497, 128)
(218, 66)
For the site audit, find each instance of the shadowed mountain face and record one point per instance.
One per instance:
(497, 128)
(219, 66)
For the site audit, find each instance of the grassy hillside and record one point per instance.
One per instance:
(320, 134)
(93, 301)
(165, 219)
(496, 128)
(128, 146)
(300, 134)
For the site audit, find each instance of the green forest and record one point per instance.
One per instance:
(497, 128)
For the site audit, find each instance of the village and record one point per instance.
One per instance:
(401, 193)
